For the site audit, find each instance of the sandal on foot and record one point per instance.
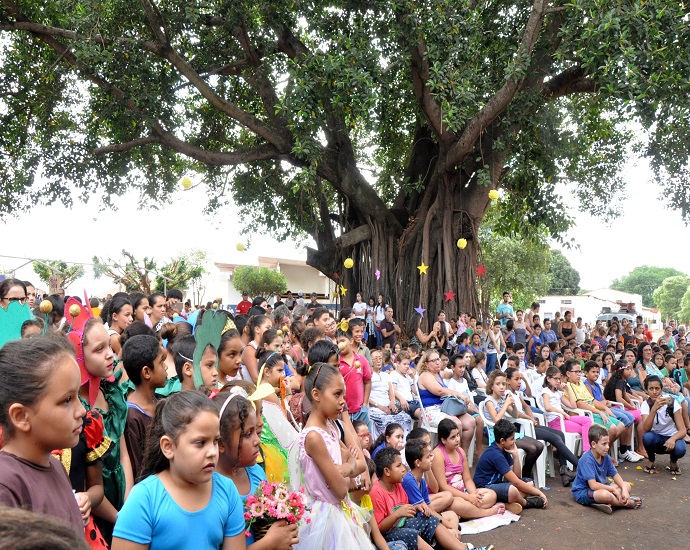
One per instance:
(635, 503)
(673, 470)
(500, 508)
(606, 508)
(514, 507)
(650, 469)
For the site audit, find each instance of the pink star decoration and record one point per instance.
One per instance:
(450, 296)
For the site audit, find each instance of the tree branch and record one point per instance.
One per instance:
(504, 96)
(571, 81)
(122, 147)
(430, 107)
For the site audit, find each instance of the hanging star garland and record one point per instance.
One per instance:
(422, 268)
(343, 290)
(335, 295)
(450, 296)
(481, 270)
(378, 274)
(420, 310)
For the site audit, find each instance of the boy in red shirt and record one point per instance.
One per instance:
(357, 374)
(397, 518)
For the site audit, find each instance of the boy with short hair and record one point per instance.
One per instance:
(357, 374)
(418, 455)
(357, 328)
(396, 517)
(499, 469)
(143, 359)
(591, 486)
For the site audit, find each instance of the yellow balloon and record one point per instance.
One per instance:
(462, 243)
(74, 310)
(240, 247)
(46, 307)
(493, 194)
(349, 263)
(186, 182)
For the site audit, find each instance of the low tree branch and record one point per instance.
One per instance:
(123, 147)
(571, 81)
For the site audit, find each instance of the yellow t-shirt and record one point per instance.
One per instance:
(581, 392)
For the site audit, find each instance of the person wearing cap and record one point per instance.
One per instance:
(245, 305)
(300, 299)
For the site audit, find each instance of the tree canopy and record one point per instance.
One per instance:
(644, 280)
(259, 281)
(57, 274)
(564, 279)
(669, 295)
(376, 127)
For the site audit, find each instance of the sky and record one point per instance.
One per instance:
(644, 234)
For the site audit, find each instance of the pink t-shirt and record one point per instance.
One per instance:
(354, 382)
(384, 502)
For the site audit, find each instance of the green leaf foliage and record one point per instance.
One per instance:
(62, 274)
(259, 281)
(669, 295)
(321, 117)
(644, 280)
(564, 278)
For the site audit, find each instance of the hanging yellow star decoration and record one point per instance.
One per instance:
(422, 268)
(343, 290)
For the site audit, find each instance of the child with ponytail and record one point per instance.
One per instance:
(182, 502)
(328, 467)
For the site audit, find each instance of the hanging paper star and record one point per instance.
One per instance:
(378, 274)
(422, 268)
(481, 270)
(420, 310)
(335, 295)
(343, 290)
(450, 296)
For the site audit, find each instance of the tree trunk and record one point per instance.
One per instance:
(455, 212)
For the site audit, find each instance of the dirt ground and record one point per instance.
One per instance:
(663, 520)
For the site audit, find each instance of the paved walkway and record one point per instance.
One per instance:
(662, 521)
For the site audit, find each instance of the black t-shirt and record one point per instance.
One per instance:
(390, 327)
(610, 392)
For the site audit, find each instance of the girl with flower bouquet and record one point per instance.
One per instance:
(327, 468)
(238, 450)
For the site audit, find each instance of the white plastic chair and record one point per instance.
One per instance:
(433, 432)
(572, 440)
(526, 428)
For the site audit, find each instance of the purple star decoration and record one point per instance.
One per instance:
(420, 310)
(378, 274)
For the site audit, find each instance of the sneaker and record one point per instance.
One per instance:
(534, 501)
(631, 456)
(472, 547)
(606, 508)
(514, 507)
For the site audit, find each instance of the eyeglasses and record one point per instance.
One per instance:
(437, 360)
(364, 435)
(15, 299)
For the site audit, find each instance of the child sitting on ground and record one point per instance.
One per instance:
(591, 486)
(500, 470)
(397, 518)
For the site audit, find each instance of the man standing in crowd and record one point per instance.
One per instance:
(389, 329)
(245, 305)
(505, 310)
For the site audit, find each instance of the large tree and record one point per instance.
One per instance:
(669, 295)
(57, 274)
(379, 127)
(564, 278)
(644, 280)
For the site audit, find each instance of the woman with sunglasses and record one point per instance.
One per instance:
(12, 290)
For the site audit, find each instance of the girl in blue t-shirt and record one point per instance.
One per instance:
(239, 449)
(183, 503)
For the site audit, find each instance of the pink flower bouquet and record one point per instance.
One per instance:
(272, 502)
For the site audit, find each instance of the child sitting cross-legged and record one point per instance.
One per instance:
(500, 470)
(397, 518)
(591, 487)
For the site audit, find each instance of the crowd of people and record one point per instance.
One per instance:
(146, 422)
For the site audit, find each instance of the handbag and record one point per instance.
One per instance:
(453, 405)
